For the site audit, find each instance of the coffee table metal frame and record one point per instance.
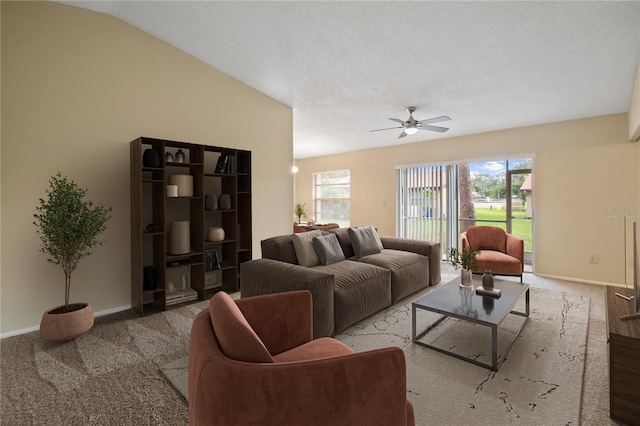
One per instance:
(493, 325)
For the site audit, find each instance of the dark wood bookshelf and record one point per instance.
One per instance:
(150, 204)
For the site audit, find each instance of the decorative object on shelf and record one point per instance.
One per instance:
(487, 280)
(149, 278)
(179, 156)
(152, 227)
(185, 184)
(465, 259)
(171, 287)
(151, 158)
(210, 202)
(224, 202)
(172, 191)
(68, 227)
(183, 282)
(216, 234)
(179, 238)
(300, 211)
(168, 157)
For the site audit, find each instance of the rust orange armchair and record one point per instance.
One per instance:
(500, 253)
(253, 362)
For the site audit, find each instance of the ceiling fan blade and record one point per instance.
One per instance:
(388, 128)
(436, 119)
(402, 135)
(397, 120)
(434, 128)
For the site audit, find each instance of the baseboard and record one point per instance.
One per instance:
(37, 327)
(579, 280)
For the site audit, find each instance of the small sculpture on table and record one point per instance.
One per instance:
(487, 288)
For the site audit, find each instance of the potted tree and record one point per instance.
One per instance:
(300, 210)
(68, 227)
(465, 259)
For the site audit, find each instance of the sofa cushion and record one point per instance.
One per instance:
(328, 249)
(235, 336)
(364, 241)
(279, 248)
(305, 252)
(360, 290)
(345, 241)
(409, 271)
(375, 234)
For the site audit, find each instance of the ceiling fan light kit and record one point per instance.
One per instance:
(411, 125)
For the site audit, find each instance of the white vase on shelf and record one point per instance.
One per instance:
(216, 234)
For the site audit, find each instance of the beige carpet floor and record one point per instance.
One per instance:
(112, 374)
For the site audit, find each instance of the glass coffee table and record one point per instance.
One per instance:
(451, 300)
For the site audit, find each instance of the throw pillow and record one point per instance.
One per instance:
(364, 241)
(234, 333)
(328, 249)
(375, 234)
(303, 246)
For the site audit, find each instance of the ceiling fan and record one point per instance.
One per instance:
(411, 125)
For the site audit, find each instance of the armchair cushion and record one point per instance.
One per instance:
(487, 238)
(499, 262)
(236, 337)
(322, 348)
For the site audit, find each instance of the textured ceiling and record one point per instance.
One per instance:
(345, 67)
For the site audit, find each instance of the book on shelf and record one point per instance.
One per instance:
(180, 296)
(227, 164)
(221, 165)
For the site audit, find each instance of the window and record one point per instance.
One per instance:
(331, 197)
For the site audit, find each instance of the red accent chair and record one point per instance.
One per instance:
(253, 361)
(500, 253)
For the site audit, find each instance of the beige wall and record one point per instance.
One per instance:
(634, 108)
(77, 87)
(582, 169)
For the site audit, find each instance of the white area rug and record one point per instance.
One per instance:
(539, 383)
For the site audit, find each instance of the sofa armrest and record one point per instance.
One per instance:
(283, 321)
(429, 249)
(366, 388)
(267, 276)
(515, 248)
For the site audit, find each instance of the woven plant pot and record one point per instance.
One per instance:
(59, 326)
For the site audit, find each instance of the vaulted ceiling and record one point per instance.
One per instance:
(346, 67)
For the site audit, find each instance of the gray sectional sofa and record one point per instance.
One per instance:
(349, 290)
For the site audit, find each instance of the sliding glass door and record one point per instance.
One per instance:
(439, 202)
